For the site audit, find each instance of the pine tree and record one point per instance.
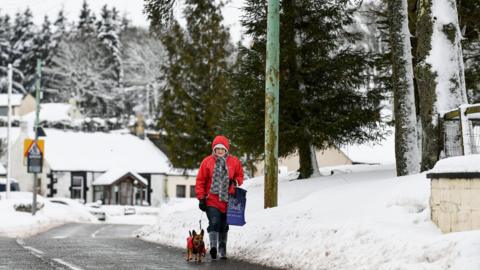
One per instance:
(5, 50)
(23, 49)
(468, 13)
(197, 91)
(43, 42)
(60, 24)
(86, 25)
(108, 34)
(321, 80)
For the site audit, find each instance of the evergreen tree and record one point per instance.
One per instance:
(324, 100)
(43, 42)
(108, 34)
(197, 91)
(5, 50)
(86, 25)
(23, 49)
(60, 25)
(468, 13)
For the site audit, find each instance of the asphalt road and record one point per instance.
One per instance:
(99, 246)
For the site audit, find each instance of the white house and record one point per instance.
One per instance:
(115, 168)
(21, 104)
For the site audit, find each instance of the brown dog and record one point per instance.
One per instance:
(195, 245)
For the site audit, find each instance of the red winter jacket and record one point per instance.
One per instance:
(205, 176)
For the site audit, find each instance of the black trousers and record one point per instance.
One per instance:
(217, 221)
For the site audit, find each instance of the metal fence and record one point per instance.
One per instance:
(458, 140)
(452, 140)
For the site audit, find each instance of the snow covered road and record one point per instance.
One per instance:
(98, 246)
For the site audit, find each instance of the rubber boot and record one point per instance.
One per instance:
(213, 244)
(222, 245)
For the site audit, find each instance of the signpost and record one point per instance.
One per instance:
(272, 104)
(35, 156)
(9, 164)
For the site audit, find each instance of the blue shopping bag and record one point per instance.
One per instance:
(236, 208)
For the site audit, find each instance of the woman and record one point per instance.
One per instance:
(219, 173)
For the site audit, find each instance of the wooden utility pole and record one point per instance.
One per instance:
(272, 105)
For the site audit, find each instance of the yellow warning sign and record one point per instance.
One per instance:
(29, 143)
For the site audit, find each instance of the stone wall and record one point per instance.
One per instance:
(455, 203)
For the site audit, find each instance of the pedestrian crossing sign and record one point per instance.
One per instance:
(28, 144)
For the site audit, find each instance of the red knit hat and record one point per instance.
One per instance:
(221, 140)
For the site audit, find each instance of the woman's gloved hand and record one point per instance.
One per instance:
(202, 204)
(231, 187)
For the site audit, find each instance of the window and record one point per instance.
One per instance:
(98, 193)
(192, 192)
(77, 187)
(181, 190)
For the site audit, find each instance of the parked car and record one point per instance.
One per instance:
(13, 184)
(98, 213)
(129, 210)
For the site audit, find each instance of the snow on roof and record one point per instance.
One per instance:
(458, 164)
(382, 152)
(51, 112)
(113, 175)
(15, 99)
(3, 171)
(181, 172)
(3, 180)
(101, 152)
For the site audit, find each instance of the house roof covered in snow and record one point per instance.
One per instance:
(382, 152)
(3, 171)
(115, 174)
(15, 100)
(101, 152)
(51, 112)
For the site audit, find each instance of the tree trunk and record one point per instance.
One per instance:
(313, 157)
(406, 138)
(305, 156)
(439, 72)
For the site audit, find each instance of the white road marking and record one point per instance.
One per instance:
(34, 250)
(69, 265)
(60, 237)
(97, 231)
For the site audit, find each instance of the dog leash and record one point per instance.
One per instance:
(200, 221)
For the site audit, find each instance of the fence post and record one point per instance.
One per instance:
(465, 132)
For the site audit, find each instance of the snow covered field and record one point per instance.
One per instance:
(362, 217)
(21, 224)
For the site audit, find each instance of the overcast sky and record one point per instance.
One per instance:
(133, 9)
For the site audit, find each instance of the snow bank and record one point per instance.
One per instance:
(353, 219)
(21, 224)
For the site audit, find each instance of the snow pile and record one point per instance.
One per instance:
(134, 215)
(468, 164)
(353, 219)
(22, 224)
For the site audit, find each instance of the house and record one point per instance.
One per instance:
(3, 171)
(382, 152)
(115, 168)
(21, 104)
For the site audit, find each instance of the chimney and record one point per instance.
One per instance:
(140, 126)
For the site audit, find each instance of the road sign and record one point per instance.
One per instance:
(27, 144)
(34, 158)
